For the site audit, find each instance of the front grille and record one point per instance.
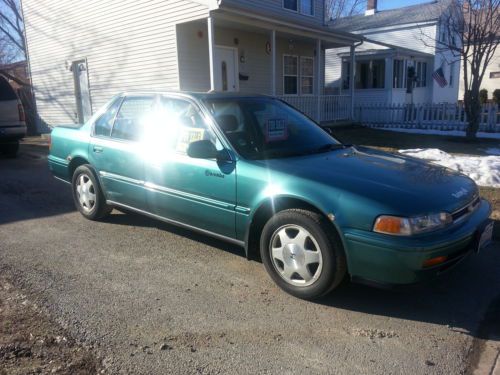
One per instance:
(466, 210)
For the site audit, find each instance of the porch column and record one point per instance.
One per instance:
(211, 51)
(318, 79)
(273, 63)
(351, 78)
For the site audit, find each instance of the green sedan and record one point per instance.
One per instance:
(254, 171)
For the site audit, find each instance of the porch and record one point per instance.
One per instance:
(233, 53)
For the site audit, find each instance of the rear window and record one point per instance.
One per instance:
(6, 90)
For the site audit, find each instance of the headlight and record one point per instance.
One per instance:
(402, 226)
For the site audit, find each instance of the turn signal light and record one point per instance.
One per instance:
(434, 261)
(388, 224)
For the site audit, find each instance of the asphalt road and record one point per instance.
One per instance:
(155, 299)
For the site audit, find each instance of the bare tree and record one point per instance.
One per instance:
(12, 45)
(343, 8)
(471, 33)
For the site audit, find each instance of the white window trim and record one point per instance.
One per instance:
(298, 11)
(300, 75)
(288, 75)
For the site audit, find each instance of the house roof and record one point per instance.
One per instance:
(419, 13)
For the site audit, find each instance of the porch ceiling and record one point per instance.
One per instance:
(262, 25)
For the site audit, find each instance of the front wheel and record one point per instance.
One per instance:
(302, 254)
(87, 194)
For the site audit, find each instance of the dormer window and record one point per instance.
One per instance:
(304, 6)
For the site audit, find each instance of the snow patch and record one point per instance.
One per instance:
(484, 170)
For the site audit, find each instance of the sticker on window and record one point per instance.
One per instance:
(276, 130)
(187, 136)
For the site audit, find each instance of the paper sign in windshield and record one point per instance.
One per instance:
(276, 130)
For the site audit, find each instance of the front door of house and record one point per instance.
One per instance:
(226, 69)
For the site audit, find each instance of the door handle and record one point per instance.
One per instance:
(98, 149)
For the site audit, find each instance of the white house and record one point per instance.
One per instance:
(491, 79)
(81, 53)
(398, 43)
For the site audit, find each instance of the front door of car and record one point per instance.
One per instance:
(194, 191)
(116, 150)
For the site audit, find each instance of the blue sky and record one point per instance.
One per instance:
(390, 4)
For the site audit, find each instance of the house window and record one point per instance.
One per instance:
(494, 74)
(398, 75)
(291, 5)
(306, 75)
(305, 6)
(290, 74)
(370, 74)
(421, 74)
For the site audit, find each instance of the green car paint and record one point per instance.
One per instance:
(228, 197)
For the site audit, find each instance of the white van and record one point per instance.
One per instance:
(12, 121)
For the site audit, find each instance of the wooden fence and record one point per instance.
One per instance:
(426, 116)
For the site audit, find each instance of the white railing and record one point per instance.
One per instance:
(324, 108)
(426, 116)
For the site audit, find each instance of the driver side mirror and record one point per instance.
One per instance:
(203, 149)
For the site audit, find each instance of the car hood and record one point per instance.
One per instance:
(406, 185)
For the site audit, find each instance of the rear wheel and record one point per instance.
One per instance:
(87, 194)
(302, 254)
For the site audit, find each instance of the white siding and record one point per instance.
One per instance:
(490, 84)
(129, 45)
(415, 37)
(274, 8)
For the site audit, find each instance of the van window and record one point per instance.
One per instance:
(6, 90)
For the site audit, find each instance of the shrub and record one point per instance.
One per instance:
(496, 96)
(483, 96)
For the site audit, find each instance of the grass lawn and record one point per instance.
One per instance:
(393, 141)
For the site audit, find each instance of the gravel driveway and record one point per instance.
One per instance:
(155, 299)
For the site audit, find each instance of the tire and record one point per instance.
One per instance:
(87, 194)
(308, 259)
(11, 149)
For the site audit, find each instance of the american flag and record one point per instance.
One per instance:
(438, 75)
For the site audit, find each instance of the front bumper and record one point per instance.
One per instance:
(12, 133)
(389, 260)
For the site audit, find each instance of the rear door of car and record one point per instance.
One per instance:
(116, 150)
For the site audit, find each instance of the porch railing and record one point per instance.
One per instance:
(426, 116)
(324, 108)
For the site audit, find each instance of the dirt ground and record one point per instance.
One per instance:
(32, 343)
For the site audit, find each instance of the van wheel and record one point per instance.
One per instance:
(87, 194)
(302, 253)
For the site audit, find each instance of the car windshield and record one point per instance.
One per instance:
(265, 128)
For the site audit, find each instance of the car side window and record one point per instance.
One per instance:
(103, 124)
(182, 124)
(131, 118)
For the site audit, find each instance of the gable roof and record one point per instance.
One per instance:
(411, 14)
